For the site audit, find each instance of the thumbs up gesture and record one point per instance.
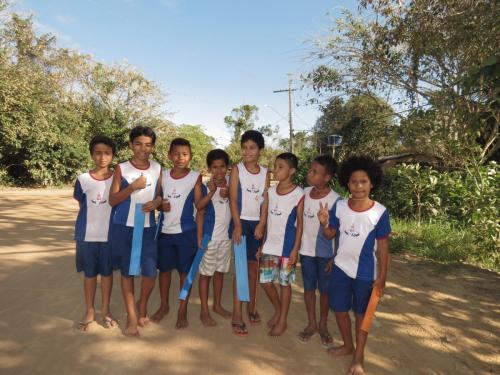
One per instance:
(323, 215)
(139, 183)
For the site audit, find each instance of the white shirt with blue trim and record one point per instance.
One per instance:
(125, 211)
(92, 223)
(358, 233)
(217, 215)
(314, 243)
(282, 221)
(180, 194)
(250, 192)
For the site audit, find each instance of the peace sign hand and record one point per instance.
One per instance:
(323, 215)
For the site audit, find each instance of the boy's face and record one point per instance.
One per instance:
(102, 155)
(142, 147)
(218, 169)
(180, 156)
(316, 176)
(282, 170)
(250, 151)
(359, 185)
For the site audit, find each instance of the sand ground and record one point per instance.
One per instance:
(434, 319)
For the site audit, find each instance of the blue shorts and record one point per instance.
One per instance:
(94, 258)
(346, 293)
(177, 251)
(248, 229)
(313, 273)
(121, 239)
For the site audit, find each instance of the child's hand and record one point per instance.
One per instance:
(165, 205)
(380, 285)
(139, 183)
(258, 254)
(237, 232)
(292, 259)
(224, 192)
(149, 206)
(211, 186)
(323, 215)
(329, 266)
(259, 231)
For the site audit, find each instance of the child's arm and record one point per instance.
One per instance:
(324, 220)
(197, 191)
(383, 263)
(202, 203)
(116, 196)
(298, 232)
(233, 204)
(199, 225)
(261, 227)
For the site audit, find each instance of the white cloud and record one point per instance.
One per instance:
(65, 19)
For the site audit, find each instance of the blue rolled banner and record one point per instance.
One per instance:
(193, 271)
(241, 268)
(135, 255)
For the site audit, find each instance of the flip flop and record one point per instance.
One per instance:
(304, 336)
(254, 318)
(326, 339)
(84, 326)
(108, 322)
(239, 329)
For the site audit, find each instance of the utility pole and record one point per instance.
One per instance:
(289, 90)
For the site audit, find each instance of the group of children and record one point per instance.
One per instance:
(337, 241)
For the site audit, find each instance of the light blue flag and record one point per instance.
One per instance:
(193, 271)
(240, 264)
(135, 255)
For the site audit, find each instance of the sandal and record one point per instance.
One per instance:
(254, 318)
(108, 322)
(84, 326)
(305, 336)
(239, 329)
(326, 339)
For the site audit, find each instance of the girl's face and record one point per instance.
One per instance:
(102, 155)
(180, 156)
(142, 147)
(218, 169)
(359, 185)
(250, 151)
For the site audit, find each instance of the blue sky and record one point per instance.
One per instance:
(208, 56)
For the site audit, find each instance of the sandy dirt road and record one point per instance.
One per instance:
(434, 319)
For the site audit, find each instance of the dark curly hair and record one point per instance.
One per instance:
(360, 163)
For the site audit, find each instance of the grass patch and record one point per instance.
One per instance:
(441, 241)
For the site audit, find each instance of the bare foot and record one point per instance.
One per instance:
(160, 314)
(131, 330)
(207, 320)
(274, 320)
(222, 312)
(356, 369)
(182, 322)
(278, 330)
(340, 351)
(143, 321)
(326, 338)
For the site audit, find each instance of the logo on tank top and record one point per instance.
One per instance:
(309, 213)
(351, 232)
(253, 189)
(98, 200)
(173, 194)
(276, 211)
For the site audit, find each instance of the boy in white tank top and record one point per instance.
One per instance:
(285, 208)
(247, 184)
(136, 181)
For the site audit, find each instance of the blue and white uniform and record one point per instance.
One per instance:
(356, 262)
(251, 187)
(93, 254)
(315, 249)
(123, 221)
(280, 236)
(217, 257)
(177, 243)
(125, 211)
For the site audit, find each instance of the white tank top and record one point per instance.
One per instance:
(250, 192)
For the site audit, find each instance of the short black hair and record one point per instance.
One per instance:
(179, 142)
(328, 162)
(142, 130)
(217, 154)
(361, 163)
(101, 139)
(290, 158)
(253, 135)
